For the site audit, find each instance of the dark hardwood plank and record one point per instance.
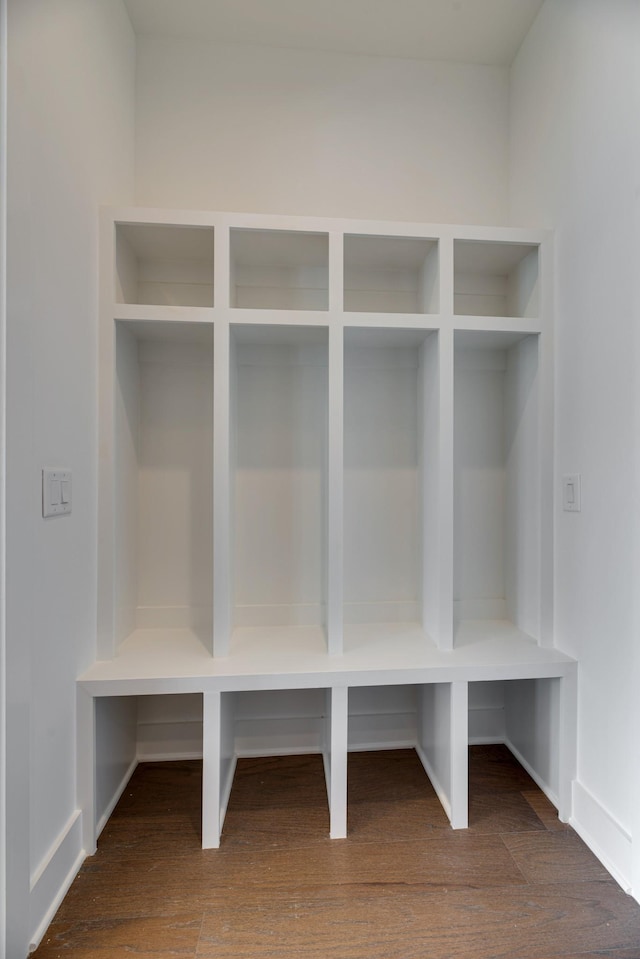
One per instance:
(133, 887)
(276, 827)
(389, 820)
(278, 781)
(494, 769)
(389, 775)
(158, 790)
(438, 924)
(544, 809)
(632, 953)
(143, 938)
(132, 838)
(502, 812)
(554, 857)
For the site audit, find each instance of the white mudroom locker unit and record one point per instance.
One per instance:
(325, 496)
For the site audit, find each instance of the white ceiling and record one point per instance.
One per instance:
(469, 31)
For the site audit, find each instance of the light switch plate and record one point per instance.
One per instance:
(56, 492)
(571, 493)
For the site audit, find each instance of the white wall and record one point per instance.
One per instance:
(70, 132)
(258, 129)
(3, 371)
(575, 166)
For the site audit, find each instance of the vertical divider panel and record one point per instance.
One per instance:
(444, 627)
(335, 475)
(336, 272)
(227, 749)
(430, 485)
(443, 745)
(222, 267)
(546, 433)
(222, 460)
(218, 763)
(86, 767)
(567, 746)
(211, 770)
(445, 258)
(211, 767)
(459, 713)
(335, 494)
(335, 758)
(106, 456)
(222, 512)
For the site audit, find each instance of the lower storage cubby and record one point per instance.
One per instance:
(382, 717)
(270, 722)
(503, 797)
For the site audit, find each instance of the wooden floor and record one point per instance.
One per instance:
(517, 884)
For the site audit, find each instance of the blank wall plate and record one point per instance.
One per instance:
(571, 493)
(56, 492)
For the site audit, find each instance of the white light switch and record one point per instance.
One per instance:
(56, 492)
(571, 493)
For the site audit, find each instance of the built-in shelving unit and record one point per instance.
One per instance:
(329, 471)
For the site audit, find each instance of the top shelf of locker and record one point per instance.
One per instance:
(357, 268)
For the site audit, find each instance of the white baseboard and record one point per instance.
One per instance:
(435, 782)
(53, 877)
(546, 789)
(604, 835)
(225, 792)
(102, 821)
(486, 725)
(173, 739)
(275, 736)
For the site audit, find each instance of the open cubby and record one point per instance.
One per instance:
(496, 485)
(390, 274)
(158, 264)
(496, 278)
(279, 722)
(279, 270)
(390, 461)
(164, 481)
(279, 393)
(262, 723)
(382, 717)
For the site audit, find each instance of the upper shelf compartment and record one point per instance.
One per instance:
(163, 265)
(390, 274)
(279, 270)
(494, 278)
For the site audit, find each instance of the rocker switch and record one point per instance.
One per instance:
(571, 494)
(56, 492)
